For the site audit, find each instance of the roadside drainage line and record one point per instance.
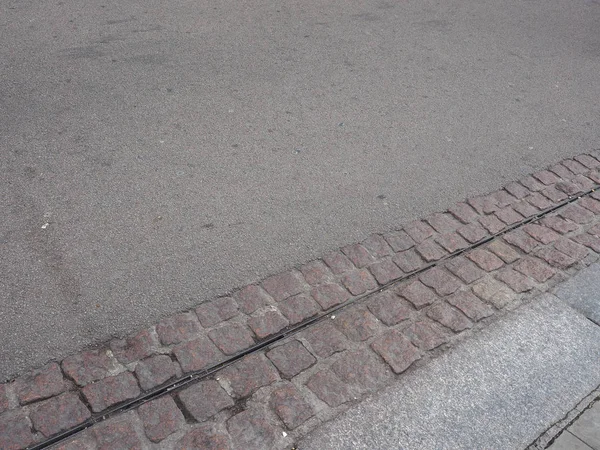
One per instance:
(199, 375)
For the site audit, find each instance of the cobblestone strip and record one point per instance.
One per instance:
(270, 397)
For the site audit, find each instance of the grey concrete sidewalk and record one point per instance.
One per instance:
(583, 434)
(500, 389)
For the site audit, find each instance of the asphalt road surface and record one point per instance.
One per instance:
(158, 153)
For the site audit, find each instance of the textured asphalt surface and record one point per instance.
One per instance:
(500, 389)
(156, 154)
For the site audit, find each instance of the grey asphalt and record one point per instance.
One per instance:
(500, 389)
(156, 154)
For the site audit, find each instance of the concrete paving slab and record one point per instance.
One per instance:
(156, 156)
(582, 292)
(587, 427)
(500, 389)
(567, 441)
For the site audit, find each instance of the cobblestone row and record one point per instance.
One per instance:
(271, 397)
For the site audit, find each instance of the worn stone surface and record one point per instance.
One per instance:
(535, 268)
(464, 269)
(330, 295)
(358, 324)
(588, 240)
(385, 271)
(290, 406)
(359, 281)
(425, 335)
(509, 216)
(396, 350)
(88, 366)
(298, 308)
(197, 354)
(525, 208)
(517, 190)
(440, 280)
(111, 390)
(531, 183)
(368, 375)
(267, 324)
(179, 328)
(154, 371)
(3, 398)
(572, 249)
(430, 251)
(40, 384)
(59, 414)
(231, 338)
(543, 234)
(452, 242)
(205, 399)
(470, 305)
(493, 291)
(389, 308)
(408, 260)
(216, 311)
(515, 280)
(521, 240)
(205, 437)
(160, 418)
(363, 324)
(505, 252)
(546, 177)
(492, 224)
(590, 204)
(251, 430)
(325, 339)
(417, 293)
(249, 374)
(329, 388)
(338, 263)
(559, 224)
(316, 272)
(555, 258)
(252, 298)
(554, 195)
(464, 212)
(133, 348)
(291, 358)
(399, 241)
(377, 246)
(449, 317)
(539, 201)
(359, 255)
(15, 431)
(419, 231)
(473, 232)
(486, 260)
(577, 214)
(117, 433)
(284, 285)
(443, 223)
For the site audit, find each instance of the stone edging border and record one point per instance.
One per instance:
(283, 387)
